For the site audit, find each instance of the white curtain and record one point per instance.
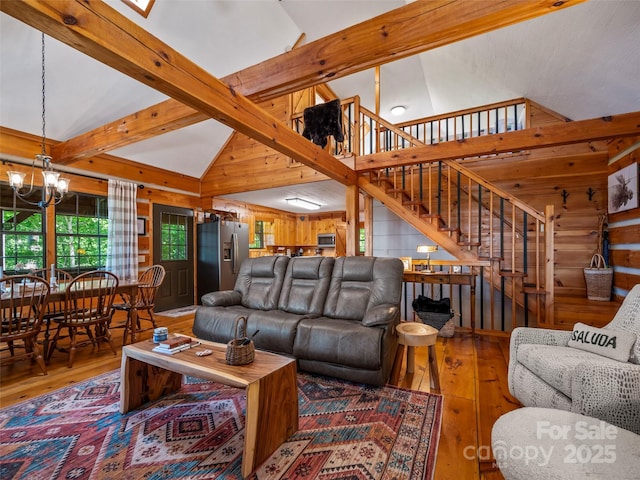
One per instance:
(122, 251)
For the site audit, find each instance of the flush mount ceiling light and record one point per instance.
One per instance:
(398, 110)
(299, 202)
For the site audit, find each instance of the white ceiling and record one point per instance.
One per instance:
(583, 62)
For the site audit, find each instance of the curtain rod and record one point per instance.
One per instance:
(92, 177)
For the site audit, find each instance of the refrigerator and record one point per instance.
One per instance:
(222, 245)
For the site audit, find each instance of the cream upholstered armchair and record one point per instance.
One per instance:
(576, 371)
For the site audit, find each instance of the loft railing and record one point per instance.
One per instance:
(367, 133)
(487, 120)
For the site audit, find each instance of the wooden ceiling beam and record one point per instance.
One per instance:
(400, 33)
(161, 118)
(617, 126)
(409, 30)
(101, 32)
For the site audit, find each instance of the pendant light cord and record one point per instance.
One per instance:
(44, 151)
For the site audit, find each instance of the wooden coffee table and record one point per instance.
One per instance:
(270, 381)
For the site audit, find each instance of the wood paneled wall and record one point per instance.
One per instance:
(245, 164)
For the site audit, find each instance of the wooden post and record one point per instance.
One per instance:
(549, 253)
(353, 219)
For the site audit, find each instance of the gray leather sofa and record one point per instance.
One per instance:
(337, 317)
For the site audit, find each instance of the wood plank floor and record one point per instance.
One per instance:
(473, 380)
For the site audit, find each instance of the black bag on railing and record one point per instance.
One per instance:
(435, 313)
(426, 304)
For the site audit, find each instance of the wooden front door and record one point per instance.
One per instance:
(173, 249)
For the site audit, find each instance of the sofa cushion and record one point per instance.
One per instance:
(381, 315)
(216, 324)
(305, 285)
(627, 318)
(260, 281)
(224, 298)
(338, 341)
(607, 342)
(277, 329)
(361, 283)
(555, 365)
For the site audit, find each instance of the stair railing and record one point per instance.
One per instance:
(467, 215)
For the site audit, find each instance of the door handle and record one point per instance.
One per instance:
(234, 253)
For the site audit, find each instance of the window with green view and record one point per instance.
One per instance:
(81, 232)
(23, 237)
(258, 235)
(174, 237)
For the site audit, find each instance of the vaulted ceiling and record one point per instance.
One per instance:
(582, 61)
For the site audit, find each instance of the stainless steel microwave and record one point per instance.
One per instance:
(326, 240)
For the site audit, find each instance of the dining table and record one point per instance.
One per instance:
(57, 294)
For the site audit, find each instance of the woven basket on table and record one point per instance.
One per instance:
(240, 350)
(599, 279)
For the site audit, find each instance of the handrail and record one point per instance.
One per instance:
(466, 111)
(458, 167)
(414, 142)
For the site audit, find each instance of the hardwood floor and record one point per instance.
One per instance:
(473, 381)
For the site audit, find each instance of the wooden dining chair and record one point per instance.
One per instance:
(54, 308)
(149, 283)
(88, 306)
(24, 299)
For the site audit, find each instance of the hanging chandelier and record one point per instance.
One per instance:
(54, 186)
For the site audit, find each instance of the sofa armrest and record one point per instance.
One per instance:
(536, 336)
(224, 298)
(608, 391)
(381, 315)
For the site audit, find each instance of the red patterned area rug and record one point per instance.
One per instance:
(347, 431)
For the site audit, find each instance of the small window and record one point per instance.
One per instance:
(143, 7)
(81, 233)
(23, 238)
(258, 235)
(174, 237)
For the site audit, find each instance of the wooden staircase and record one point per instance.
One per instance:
(509, 243)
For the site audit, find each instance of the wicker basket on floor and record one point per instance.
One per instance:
(240, 350)
(599, 279)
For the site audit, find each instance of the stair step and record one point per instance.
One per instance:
(509, 273)
(490, 259)
(532, 290)
(469, 244)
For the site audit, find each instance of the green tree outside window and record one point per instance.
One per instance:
(81, 232)
(23, 236)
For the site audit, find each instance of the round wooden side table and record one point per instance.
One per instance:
(414, 334)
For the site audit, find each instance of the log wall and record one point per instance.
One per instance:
(246, 164)
(624, 226)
